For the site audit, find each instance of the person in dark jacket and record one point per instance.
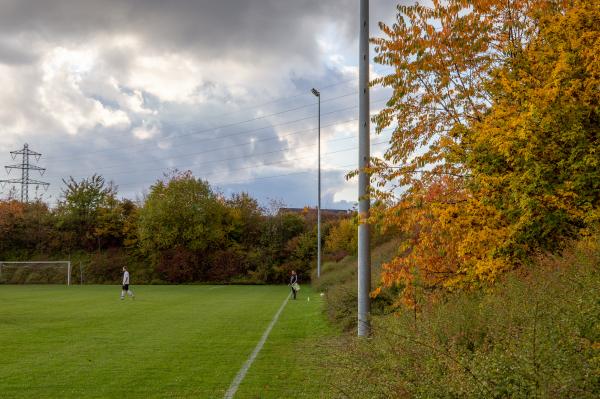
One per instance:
(294, 283)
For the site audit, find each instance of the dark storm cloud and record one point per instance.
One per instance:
(253, 29)
(13, 54)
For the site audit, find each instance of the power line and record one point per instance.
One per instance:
(280, 99)
(194, 165)
(239, 157)
(309, 171)
(231, 135)
(296, 159)
(285, 111)
(374, 144)
(228, 147)
(213, 128)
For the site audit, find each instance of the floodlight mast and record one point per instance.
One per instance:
(364, 250)
(318, 95)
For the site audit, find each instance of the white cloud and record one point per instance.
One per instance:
(146, 131)
(61, 96)
(169, 77)
(135, 104)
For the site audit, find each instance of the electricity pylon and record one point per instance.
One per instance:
(25, 166)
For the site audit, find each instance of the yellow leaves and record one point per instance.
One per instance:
(495, 148)
(451, 240)
(490, 269)
(430, 30)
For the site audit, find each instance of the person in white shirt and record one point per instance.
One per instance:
(294, 284)
(125, 288)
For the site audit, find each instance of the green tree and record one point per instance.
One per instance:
(81, 205)
(181, 222)
(246, 218)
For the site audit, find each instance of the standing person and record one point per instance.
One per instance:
(294, 284)
(125, 288)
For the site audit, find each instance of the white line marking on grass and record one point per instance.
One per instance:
(214, 288)
(235, 384)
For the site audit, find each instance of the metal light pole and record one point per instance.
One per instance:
(364, 250)
(318, 95)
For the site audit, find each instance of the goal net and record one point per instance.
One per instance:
(35, 272)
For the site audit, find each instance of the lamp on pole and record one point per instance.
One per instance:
(318, 95)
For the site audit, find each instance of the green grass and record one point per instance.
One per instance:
(170, 342)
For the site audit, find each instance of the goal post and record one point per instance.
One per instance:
(30, 266)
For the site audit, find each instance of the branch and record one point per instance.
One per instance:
(429, 171)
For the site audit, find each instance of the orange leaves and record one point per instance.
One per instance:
(451, 239)
(442, 61)
(10, 212)
(494, 152)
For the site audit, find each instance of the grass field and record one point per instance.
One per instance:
(170, 342)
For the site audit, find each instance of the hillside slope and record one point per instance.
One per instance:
(536, 333)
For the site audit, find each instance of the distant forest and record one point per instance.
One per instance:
(183, 231)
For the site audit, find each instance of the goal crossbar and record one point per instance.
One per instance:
(47, 262)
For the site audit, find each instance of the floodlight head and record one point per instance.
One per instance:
(315, 92)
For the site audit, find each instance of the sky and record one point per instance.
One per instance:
(132, 89)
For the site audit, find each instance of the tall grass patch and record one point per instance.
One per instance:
(536, 334)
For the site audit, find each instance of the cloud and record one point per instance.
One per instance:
(146, 131)
(130, 88)
(62, 99)
(13, 53)
(256, 29)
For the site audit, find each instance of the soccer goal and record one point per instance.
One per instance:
(35, 272)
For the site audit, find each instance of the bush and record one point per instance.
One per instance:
(342, 237)
(179, 265)
(338, 282)
(226, 264)
(106, 267)
(536, 334)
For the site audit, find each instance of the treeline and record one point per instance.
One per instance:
(183, 231)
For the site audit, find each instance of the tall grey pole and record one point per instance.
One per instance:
(318, 95)
(364, 250)
(319, 205)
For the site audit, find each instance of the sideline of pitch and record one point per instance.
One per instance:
(235, 384)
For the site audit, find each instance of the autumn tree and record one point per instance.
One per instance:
(11, 211)
(342, 237)
(246, 220)
(534, 156)
(26, 229)
(495, 118)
